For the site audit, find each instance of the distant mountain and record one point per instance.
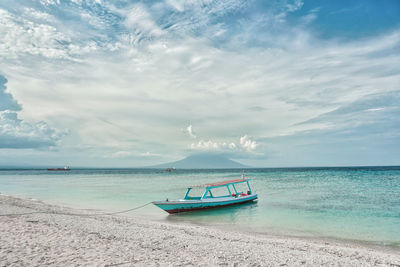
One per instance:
(203, 161)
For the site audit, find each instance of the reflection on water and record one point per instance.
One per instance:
(231, 214)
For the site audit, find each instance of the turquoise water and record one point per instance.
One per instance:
(351, 203)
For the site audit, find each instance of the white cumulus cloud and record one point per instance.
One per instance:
(205, 145)
(215, 146)
(16, 133)
(189, 130)
(248, 144)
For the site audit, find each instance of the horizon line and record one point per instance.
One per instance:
(40, 167)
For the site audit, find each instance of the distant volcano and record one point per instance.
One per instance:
(203, 161)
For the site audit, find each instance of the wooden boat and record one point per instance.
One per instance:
(207, 200)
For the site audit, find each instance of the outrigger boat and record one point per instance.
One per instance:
(208, 200)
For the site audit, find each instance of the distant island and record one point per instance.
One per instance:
(203, 161)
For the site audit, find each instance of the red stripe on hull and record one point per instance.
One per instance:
(205, 208)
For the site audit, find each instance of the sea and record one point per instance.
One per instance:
(351, 203)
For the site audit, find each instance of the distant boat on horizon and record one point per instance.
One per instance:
(66, 168)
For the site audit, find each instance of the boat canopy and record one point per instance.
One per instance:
(229, 184)
(222, 183)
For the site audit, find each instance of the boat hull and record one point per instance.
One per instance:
(184, 205)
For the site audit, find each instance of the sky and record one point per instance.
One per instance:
(137, 83)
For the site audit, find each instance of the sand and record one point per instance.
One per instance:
(104, 240)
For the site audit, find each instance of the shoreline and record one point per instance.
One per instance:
(104, 240)
(292, 235)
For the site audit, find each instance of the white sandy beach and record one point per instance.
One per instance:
(65, 240)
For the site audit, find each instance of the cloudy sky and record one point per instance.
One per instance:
(136, 83)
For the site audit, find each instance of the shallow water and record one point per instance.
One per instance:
(351, 203)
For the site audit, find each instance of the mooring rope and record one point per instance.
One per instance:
(75, 214)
